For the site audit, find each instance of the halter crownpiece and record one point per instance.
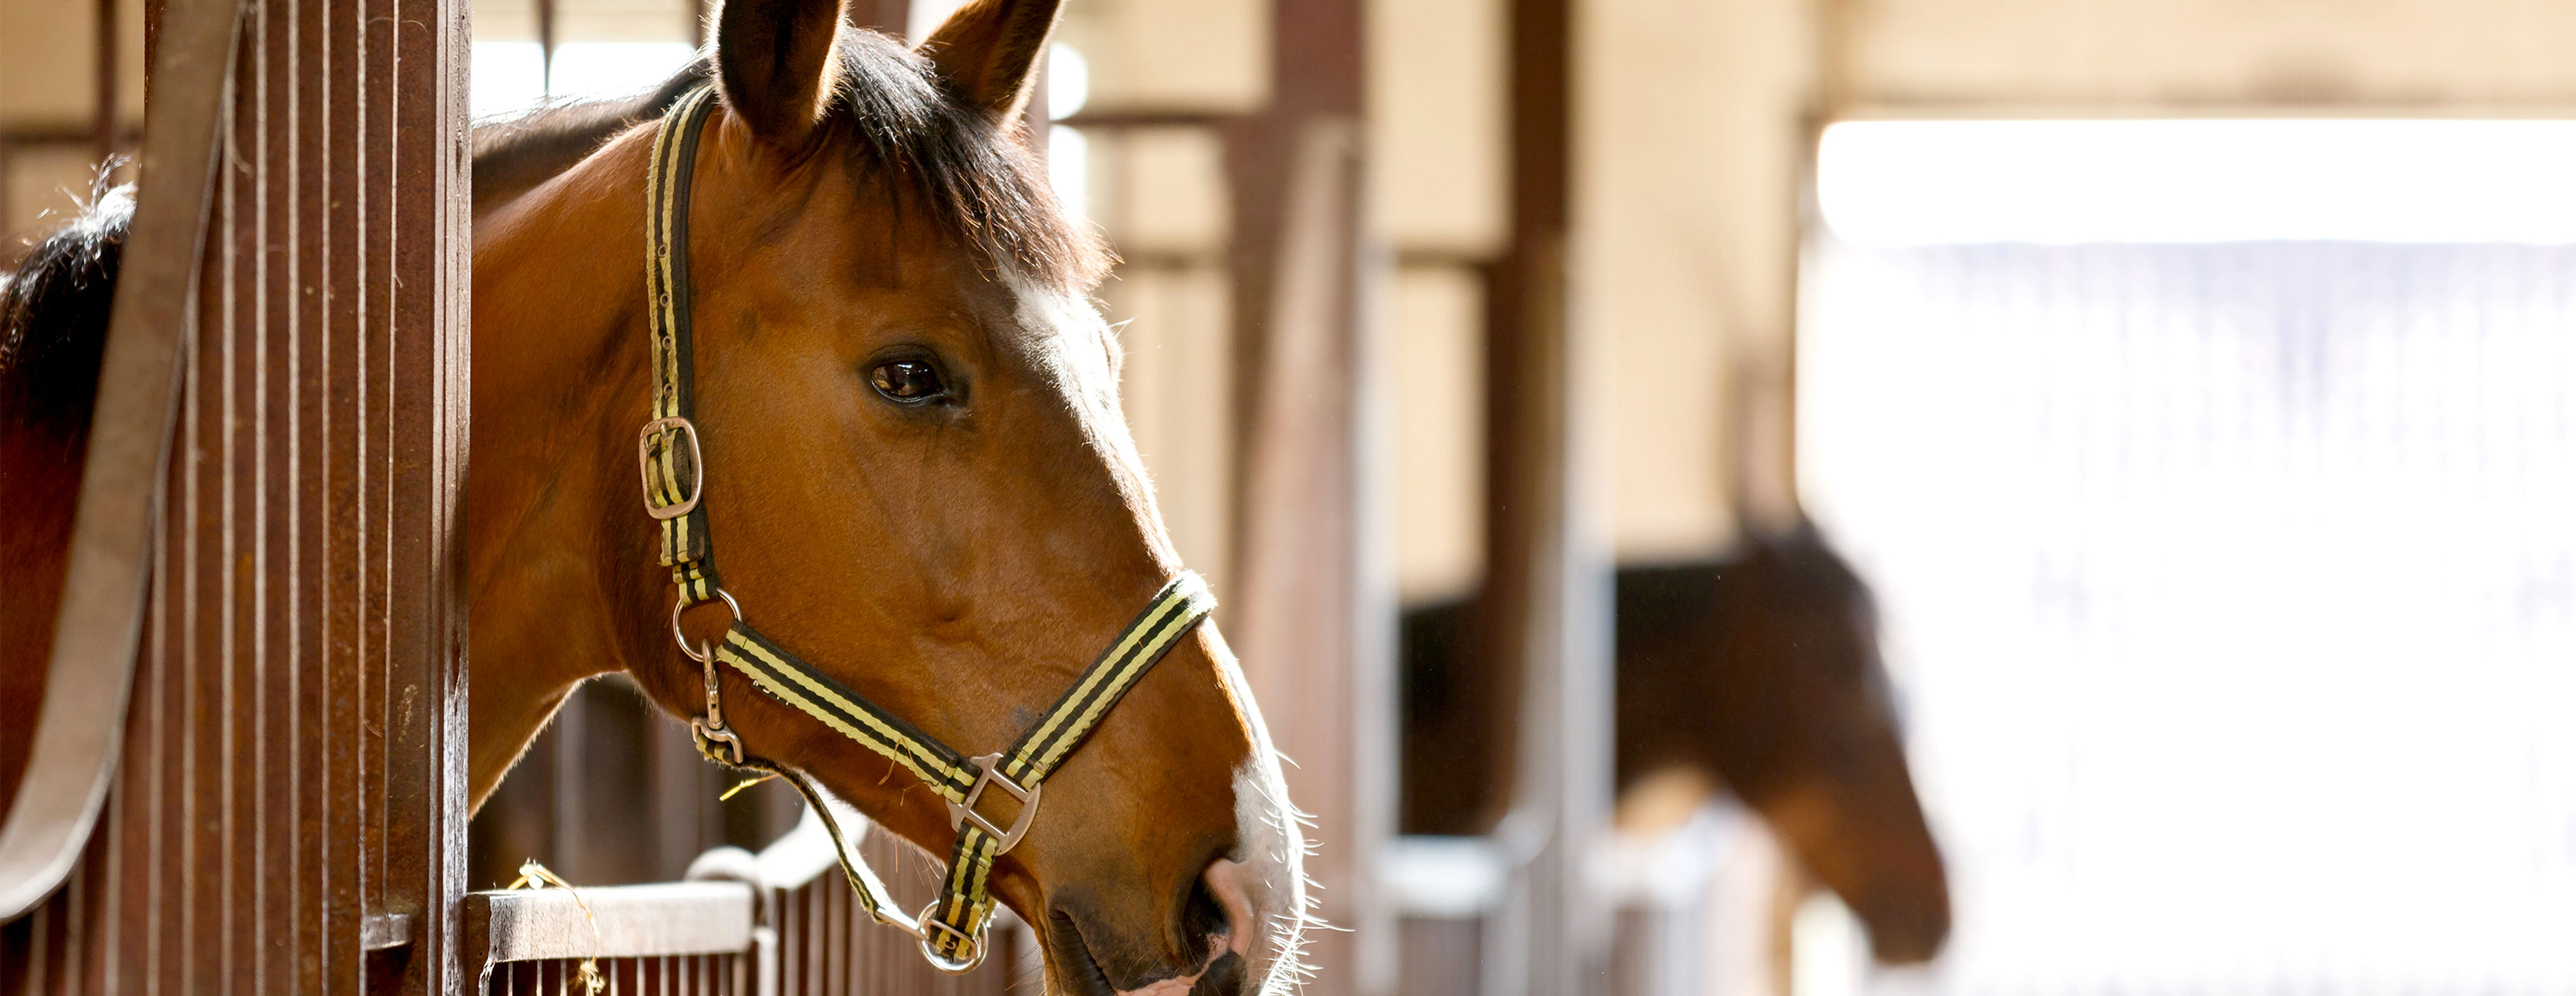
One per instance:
(669, 450)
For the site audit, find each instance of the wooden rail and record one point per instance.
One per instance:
(777, 923)
(648, 933)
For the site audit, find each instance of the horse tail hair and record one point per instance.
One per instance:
(53, 320)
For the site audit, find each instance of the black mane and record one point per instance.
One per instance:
(977, 178)
(53, 320)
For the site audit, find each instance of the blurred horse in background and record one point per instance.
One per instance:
(1760, 673)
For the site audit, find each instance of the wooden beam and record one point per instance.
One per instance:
(1311, 597)
(1544, 619)
(103, 109)
(893, 17)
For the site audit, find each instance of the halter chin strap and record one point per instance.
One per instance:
(952, 929)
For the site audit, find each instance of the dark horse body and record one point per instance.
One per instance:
(914, 458)
(1760, 673)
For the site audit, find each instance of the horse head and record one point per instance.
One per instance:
(1763, 671)
(1823, 760)
(907, 446)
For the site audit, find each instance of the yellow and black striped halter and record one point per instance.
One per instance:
(952, 929)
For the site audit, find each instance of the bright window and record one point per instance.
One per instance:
(2218, 480)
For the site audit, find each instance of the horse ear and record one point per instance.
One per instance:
(773, 59)
(989, 51)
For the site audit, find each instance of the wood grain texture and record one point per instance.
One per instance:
(297, 720)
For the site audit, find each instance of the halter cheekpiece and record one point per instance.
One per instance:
(952, 929)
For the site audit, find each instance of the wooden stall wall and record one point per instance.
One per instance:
(287, 815)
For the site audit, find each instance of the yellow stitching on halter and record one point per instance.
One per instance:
(1048, 726)
(904, 750)
(1172, 629)
(882, 733)
(1186, 589)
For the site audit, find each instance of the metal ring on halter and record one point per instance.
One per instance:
(972, 945)
(709, 731)
(702, 654)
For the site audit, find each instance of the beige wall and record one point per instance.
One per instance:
(1687, 165)
(588, 20)
(1690, 145)
(2201, 52)
(1173, 55)
(48, 81)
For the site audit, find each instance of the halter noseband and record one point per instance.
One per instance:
(952, 929)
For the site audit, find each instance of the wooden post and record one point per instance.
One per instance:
(1546, 596)
(286, 810)
(103, 114)
(894, 17)
(546, 48)
(1311, 607)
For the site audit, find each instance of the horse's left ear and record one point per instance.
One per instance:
(989, 51)
(773, 60)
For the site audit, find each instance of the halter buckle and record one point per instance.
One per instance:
(652, 484)
(930, 927)
(710, 735)
(960, 813)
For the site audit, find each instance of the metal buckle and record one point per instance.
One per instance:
(709, 735)
(709, 730)
(960, 812)
(697, 466)
(972, 944)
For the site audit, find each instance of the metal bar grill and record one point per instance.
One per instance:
(826, 945)
(283, 810)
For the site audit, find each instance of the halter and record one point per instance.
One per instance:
(952, 928)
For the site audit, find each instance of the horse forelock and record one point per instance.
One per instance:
(978, 178)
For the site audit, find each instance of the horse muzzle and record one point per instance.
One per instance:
(1217, 919)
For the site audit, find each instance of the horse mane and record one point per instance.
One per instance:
(514, 154)
(978, 178)
(53, 320)
(902, 126)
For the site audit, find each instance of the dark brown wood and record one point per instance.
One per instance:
(103, 110)
(43, 134)
(893, 17)
(1544, 631)
(614, 793)
(78, 736)
(1523, 430)
(288, 817)
(1315, 60)
(1311, 590)
(546, 47)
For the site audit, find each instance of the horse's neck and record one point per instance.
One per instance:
(553, 550)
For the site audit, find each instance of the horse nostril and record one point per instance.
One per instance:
(1203, 915)
(1221, 905)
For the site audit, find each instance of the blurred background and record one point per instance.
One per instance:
(1805, 497)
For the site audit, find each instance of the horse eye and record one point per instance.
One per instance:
(907, 381)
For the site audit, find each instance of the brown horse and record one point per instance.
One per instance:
(915, 463)
(1760, 673)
